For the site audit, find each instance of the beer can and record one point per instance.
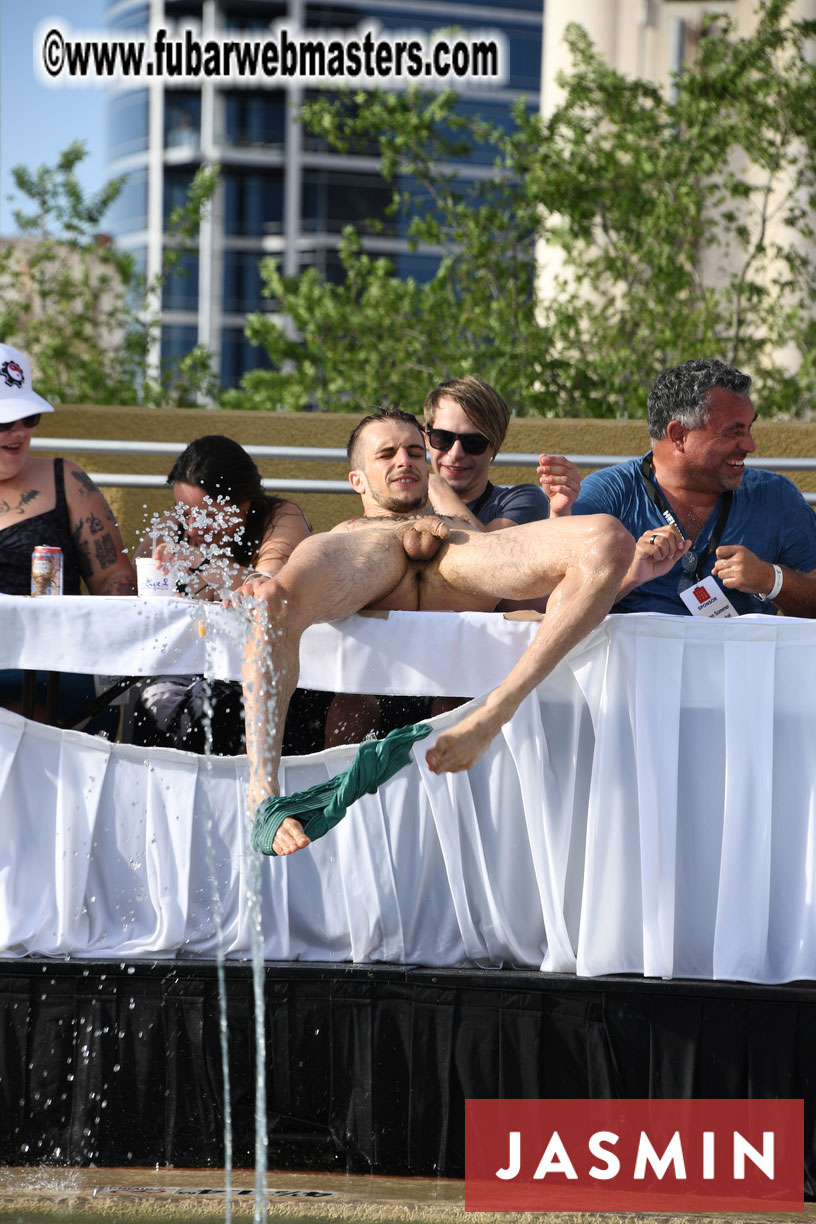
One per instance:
(46, 570)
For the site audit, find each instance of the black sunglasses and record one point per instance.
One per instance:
(443, 440)
(29, 422)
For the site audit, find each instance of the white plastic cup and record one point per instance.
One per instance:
(152, 582)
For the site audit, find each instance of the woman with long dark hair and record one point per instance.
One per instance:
(223, 525)
(222, 529)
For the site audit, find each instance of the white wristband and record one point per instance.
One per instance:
(777, 586)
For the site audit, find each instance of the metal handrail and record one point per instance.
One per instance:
(107, 446)
(329, 454)
(334, 454)
(130, 480)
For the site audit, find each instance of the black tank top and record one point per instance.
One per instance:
(53, 528)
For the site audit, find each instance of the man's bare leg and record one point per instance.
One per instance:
(327, 578)
(580, 562)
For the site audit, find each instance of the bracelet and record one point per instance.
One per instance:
(777, 586)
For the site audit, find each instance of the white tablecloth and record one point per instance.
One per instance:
(440, 653)
(651, 808)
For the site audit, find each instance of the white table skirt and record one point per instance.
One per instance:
(651, 808)
(440, 653)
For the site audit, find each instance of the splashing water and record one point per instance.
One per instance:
(202, 565)
(217, 907)
(252, 609)
(197, 545)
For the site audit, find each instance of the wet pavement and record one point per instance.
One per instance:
(81, 1196)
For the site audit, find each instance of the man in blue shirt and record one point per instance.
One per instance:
(744, 540)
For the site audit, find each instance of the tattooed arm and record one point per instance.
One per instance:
(104, 567)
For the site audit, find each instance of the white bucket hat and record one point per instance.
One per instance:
(17, 399)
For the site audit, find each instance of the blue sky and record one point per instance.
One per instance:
(36, 123)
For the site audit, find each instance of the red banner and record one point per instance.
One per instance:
(634, 1155)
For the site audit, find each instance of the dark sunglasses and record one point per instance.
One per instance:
(443, 440)
(29, 422)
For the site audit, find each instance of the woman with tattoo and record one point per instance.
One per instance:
(53, 502)
(222, 530)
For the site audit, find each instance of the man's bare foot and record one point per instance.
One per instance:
(290, 837)
(461, 746)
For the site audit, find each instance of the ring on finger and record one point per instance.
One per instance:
(653, 537)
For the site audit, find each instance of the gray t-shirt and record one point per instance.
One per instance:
(526, 503)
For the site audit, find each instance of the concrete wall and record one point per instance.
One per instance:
(133, 507)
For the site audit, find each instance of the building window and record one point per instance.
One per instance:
(238, 356)
(127, 124)
(176, 185)
(242, 283)
(326, 261)
(180, 290)
(255, 120)
(182, 120)
(251, 17)
(177, 339)
(333, 199)
(524, 46)
(253, 203)
(184, 11)
(133, 19)
(129, 210)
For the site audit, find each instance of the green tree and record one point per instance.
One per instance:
(78, 306)
(674, 224)
(382, 320)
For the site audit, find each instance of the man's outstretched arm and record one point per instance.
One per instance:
(656, 552)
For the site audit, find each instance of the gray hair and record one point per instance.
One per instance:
(681, 394)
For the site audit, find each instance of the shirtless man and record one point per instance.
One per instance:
(401, 556)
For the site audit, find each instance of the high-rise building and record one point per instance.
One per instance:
(282, 192)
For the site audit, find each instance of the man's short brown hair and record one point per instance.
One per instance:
(484, 406)
(382, 414)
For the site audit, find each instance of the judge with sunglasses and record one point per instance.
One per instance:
(52, 502)
(466, 423)
(731, 539)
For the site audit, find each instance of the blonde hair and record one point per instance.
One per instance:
(484, 406)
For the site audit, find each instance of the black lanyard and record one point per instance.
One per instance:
(691, 562)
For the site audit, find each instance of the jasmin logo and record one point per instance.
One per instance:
(634, 1155)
